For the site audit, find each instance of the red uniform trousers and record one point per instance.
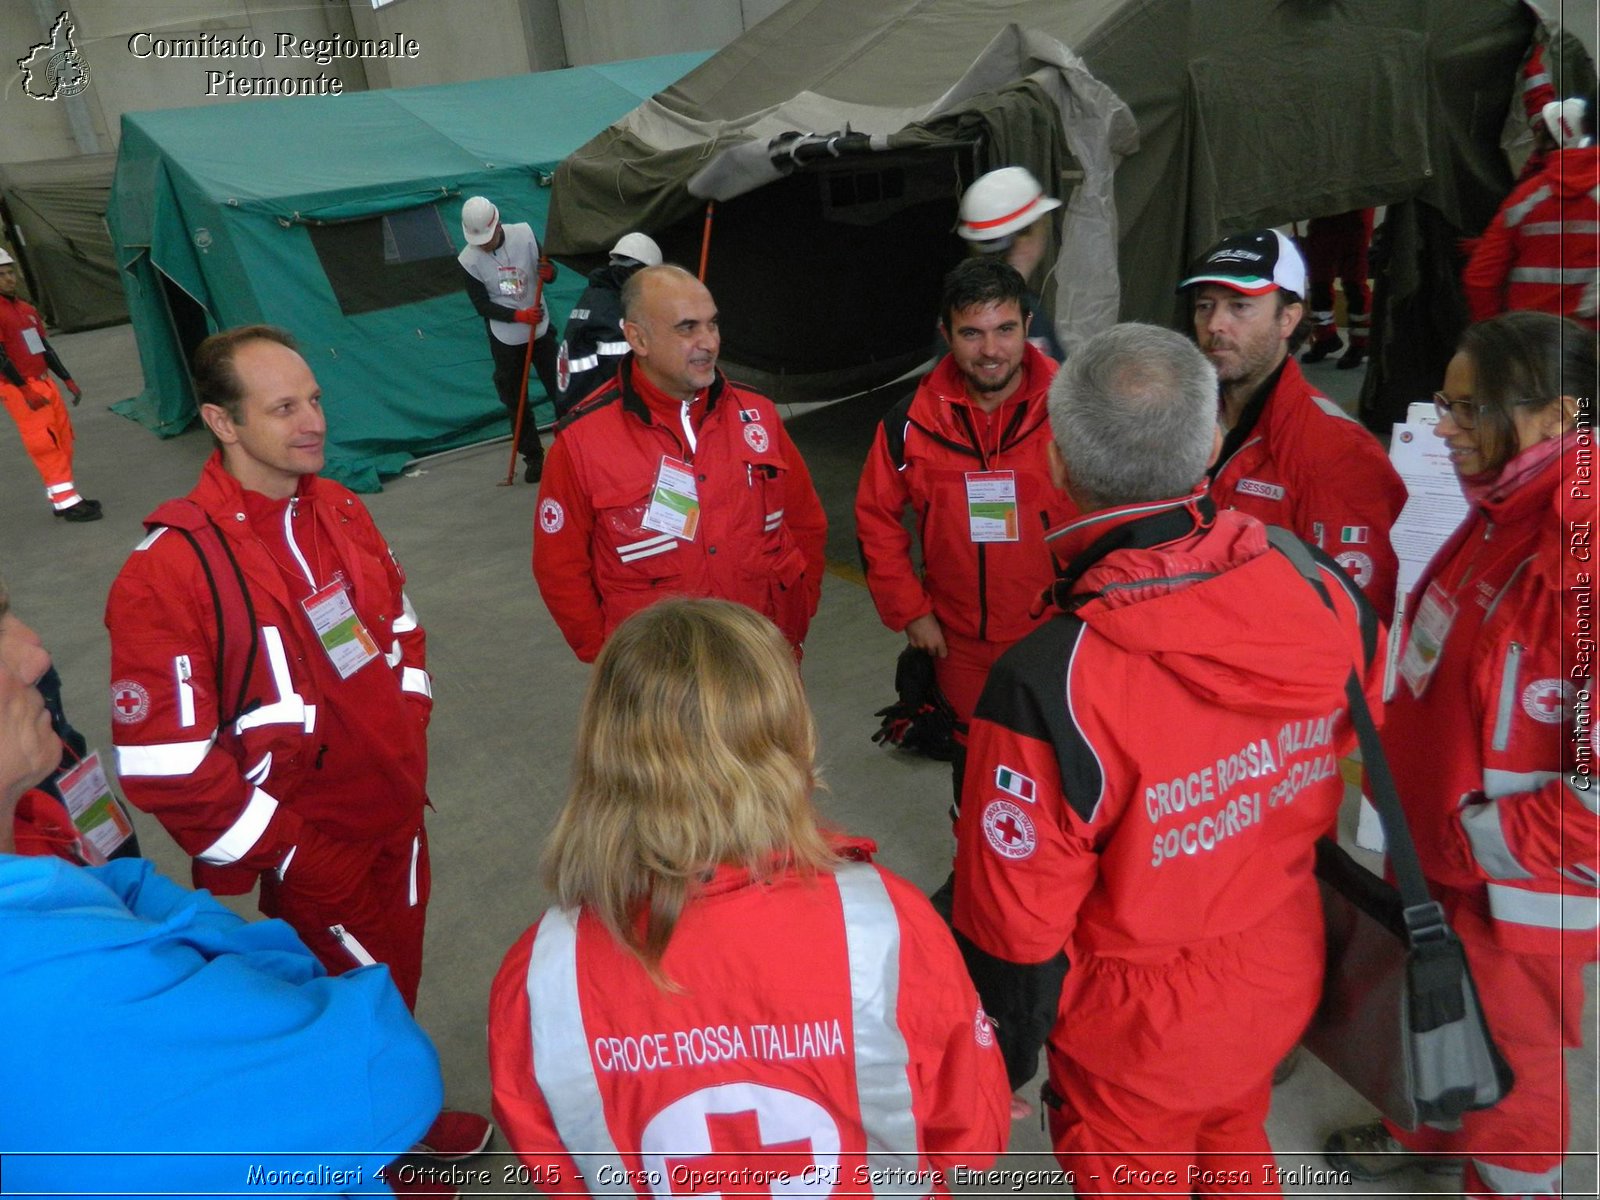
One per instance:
(1516, 1147)
(1171, 1061)
(1336, 249)
(962, 672)
(46, 435)
(380, 920)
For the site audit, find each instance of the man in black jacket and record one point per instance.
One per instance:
(593, 344)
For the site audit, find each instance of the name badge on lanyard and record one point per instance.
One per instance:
(1429, 628)
(674, 504)
(513, 281)
(992, 506)
(344, 638)
(32, 340)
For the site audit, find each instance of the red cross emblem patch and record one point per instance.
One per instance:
(1545, 700)
(1008, 830)
(130, 703)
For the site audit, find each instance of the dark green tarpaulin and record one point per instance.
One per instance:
(1248, 113)
(212, 213)
(58, 208)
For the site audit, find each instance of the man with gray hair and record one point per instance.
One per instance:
(1147, 776)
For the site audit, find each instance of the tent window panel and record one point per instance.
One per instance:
(388, 261)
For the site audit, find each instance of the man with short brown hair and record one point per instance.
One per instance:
(270, 700)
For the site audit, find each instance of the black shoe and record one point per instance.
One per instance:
(1370, 1153)
(1352, 357)
(83, 510)
(1321, 348)
(532, 469)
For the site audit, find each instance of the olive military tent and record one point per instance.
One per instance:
(1164, 124)
(55, 213)
(338, 218)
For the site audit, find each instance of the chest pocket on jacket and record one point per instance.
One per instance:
(646, 555)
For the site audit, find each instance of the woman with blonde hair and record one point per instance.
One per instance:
(726, 998)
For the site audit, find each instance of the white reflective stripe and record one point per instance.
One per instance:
(162, 759)
(775, 515)
(1507, 1181)
(72, 499)
(882, 1062)
(244, 833)
(258, 773)
(1534, 81)
(150, 538)
(561, 1063)
(1541, 228)
(180, 668)
(415, 679)
(311, 718)
(612, 349)
(289, 708)
(407, 620)
(283, 867)
(1514, 215)
(1545, 910)
(352, 946)
(654, 540)
(1594, 194)
(587, 362)
(1332, 409)
(395, 654)
(1563, 275)
(688, 429)
(670, 544)
(579, 314)
(294, 547)
(1508, 783)
(57, 489)
(1582, 873)
(1508, 698)
(416, 853)
(1488, 840)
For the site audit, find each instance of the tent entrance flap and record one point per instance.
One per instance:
(876, 230)
(185, 317)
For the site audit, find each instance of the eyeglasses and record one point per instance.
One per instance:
(1463, 412)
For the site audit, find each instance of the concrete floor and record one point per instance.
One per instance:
(506, 695)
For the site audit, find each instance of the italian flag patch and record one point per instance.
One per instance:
(1014, 783)
(1353, 535)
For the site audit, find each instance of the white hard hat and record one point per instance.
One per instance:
(1002, 202)
(640, 247)
(1564, 120)
(479, 220)
(5, 259)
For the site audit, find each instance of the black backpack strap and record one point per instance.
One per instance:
(237, 648)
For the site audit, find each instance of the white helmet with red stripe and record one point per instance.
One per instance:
(1001, 203)
(1564, 120)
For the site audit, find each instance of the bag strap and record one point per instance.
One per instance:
(233, 611)
(1423, 916)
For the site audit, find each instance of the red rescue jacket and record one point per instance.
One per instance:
(1500, 793)
(1297, 460)
(1541, 251)
(762, 534)
(816, 1023)
(235, 783)
(921, 455)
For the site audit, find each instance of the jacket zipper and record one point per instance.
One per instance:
(294, 547)
(1508, 693)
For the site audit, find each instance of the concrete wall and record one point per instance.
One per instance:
(456, 41)
(120, 80)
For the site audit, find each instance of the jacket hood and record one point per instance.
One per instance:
(1272, 647)
(1574, 172)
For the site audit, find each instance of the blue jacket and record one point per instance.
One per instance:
(140, 1016)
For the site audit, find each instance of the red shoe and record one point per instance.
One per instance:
(455, 1135)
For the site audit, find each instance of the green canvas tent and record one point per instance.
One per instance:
(1164, 124)
(55, 212)
(338, 218)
